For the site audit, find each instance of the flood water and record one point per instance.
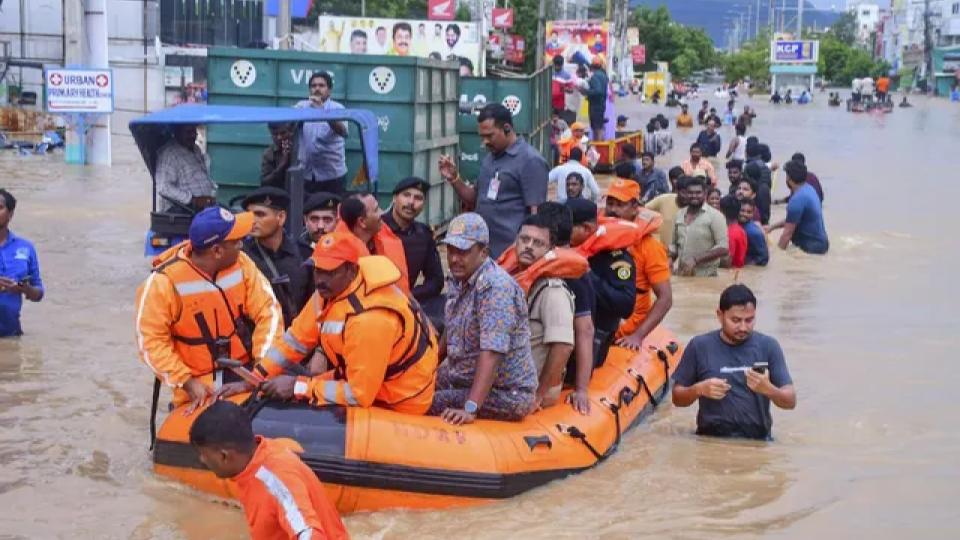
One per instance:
(869, 333)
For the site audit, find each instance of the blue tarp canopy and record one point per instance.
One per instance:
(152, 131)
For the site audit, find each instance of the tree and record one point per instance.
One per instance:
(685, 49)
(845, 28)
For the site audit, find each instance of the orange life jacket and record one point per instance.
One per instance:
(211, 321)
(611, 234)
(409, 374)
(561, 262)
(565, 145)
(282, 498)
(389, 245)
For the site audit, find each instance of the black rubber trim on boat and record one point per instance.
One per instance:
(334, 469)
(337, 470)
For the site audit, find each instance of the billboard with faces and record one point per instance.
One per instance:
(445, 40)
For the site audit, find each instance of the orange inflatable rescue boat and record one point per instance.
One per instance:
(371, 459)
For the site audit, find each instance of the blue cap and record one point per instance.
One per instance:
(214, 224)
(466, 230)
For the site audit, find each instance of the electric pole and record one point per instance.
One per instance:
(799, 19)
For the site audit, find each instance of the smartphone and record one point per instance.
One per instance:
(760, 367)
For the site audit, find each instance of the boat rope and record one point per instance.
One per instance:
(575, 433)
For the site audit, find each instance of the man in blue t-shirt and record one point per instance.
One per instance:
(804, 223)
(19, 270)
(734, 373)
(757, 252)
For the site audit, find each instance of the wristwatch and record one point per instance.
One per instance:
(471, 407)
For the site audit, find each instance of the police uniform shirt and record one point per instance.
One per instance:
(615, 285)
(287, 261)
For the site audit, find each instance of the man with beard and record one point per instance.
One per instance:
(700, 233)
(512, 180)
(698, 165)
(419, 246)
(734, 373)
(757, 252)
(379, 344)
(274, 252)
(322, 144)
(453, 36)
(361, 216)
(319, 218)
(667, 205)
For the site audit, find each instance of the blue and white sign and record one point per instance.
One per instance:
(79, 90)
(792, 52)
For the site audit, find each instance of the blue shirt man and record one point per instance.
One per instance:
(322, 144)
(734, 373)
(804, 223)
(757, 252)
(19, 270)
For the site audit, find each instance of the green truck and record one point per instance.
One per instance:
(423, 109)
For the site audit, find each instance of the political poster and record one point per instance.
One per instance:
(400, 37)
(578, 42)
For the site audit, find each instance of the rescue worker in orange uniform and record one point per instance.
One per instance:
(281, 497)
(651, 261)
(377, 339)
(205, 300)
(360, 215)
(576, 139)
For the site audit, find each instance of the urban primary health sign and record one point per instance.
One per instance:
(79, 90)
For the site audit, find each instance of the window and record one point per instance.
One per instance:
(956, 8)
(236, 23)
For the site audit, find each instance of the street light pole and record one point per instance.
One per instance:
(799, 19)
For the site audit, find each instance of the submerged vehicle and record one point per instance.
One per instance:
(151, 132)
(374, 458)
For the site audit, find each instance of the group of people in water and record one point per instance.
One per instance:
(357, 311)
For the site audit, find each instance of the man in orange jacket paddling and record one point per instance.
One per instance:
(281, 497)
(378, 341)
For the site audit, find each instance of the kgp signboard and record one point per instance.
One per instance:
(79, 90)
(785, 52)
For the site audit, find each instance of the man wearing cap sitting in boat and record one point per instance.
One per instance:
(320, 217)
(205, 299)
(488, 371)
(649, 258)
(378, 341)
(540, 268)
(274, 252)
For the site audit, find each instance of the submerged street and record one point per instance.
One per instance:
(868, 332)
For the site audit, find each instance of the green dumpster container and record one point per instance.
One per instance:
(414, 99)
(528, 98)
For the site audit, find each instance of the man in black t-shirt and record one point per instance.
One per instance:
(734, 373)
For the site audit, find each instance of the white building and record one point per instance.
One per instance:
(32, 30)
(868, 18)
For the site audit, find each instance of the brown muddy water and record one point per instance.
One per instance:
(869, 331)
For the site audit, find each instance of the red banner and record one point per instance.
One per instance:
(639, 54)
(441, 10)
(502, 18)
(514, 50)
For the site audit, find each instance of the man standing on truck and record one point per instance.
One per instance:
(322, 144)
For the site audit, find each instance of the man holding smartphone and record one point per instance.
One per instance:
(734, 373)
(19, 270)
